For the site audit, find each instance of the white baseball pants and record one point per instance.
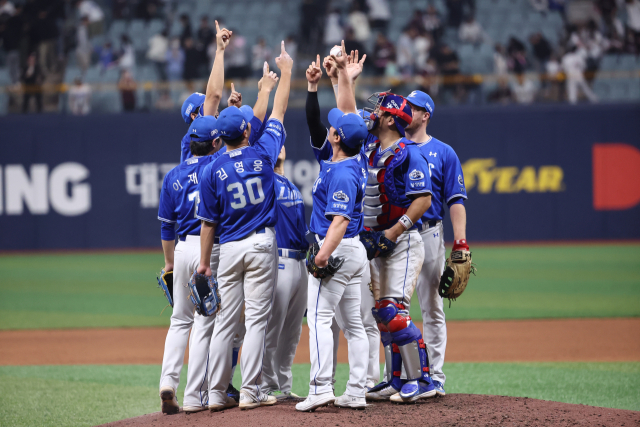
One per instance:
(371, 328)
(285, 325)
(247, 273)
(433, 321)
(339, 293)
(186, 260)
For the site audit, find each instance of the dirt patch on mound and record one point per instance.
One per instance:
(552, 340)
(452, 410)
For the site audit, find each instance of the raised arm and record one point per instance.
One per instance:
(346, 99)
(317, 129)
(235, 98)
(281, 100)
(216, 78)
(265, 86)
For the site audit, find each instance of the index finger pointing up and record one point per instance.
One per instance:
(233, 88)
(217, 27)
(282, 47)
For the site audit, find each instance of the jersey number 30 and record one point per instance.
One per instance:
(238, 193)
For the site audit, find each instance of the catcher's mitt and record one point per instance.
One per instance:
(165, 282)
(330, 269)
(457, 271)
(376, 244)
(204, 294)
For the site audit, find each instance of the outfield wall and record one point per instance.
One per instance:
(532, 173)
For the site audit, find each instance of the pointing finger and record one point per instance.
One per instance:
(217, 27)
(282, 48)
(363, 58)
(233, 88)
(318, 60)
(344, 51)
(265, 68)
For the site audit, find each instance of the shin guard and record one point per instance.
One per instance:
(413, 351)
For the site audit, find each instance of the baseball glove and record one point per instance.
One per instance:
(165, 282)
(457, 270)
(376, 244)
(204, 294)
(330, 269)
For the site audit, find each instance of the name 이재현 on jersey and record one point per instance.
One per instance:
(179, 195)
(237, 190)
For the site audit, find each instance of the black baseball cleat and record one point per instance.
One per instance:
(233, 393)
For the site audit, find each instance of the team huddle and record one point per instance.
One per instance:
(246, 266)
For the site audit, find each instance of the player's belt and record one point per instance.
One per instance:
(292, 253)
(429, 224)
(183, 237)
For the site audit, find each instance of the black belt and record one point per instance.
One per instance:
(183, 237)
(429, 224)
(292, 253)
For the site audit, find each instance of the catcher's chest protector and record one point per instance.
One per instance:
(381, 201)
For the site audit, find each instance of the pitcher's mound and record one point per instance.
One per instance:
(453, 410)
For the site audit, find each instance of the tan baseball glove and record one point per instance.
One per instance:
(457, 271)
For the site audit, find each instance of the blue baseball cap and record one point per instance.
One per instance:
(203, 129)
(194, 101)
(233, 121)
(350, 126)
(422, 100)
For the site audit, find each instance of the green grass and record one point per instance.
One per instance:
(109, 290)
(90, 395)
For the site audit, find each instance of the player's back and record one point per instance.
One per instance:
(242, 184)
(290, 227)
(180, 195)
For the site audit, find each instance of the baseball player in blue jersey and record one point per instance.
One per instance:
(336, 222)
(178, 199)
(238, 203)
(448, 188)
(290, 299)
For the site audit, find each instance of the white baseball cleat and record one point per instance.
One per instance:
(353, 402)
(229, 403)
(193, 409)
(315, 401)
(249, 402)
(382, 394)
(169, 401)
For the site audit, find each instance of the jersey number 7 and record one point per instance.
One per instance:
(238, 193)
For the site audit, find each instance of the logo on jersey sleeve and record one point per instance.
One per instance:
(460, 180)
(340, 196)
(416, 175)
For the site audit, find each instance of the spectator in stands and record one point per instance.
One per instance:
(175, 60)
(204, 37)
(11, 36)
(500, 64)
(447, 60)
(127, 58)
(417, 20)
(147, 9)
(541, 49)
(44, 34)
(260, 53)
(432, 23)
(422, 45)
(589, 39)
(351, 43)
(106, 56)
(404, 51)
(157, 53)
(83, 45)
(236, 57)
(90, 9)
(121, 9)
(7, 8)
(359, 22)
(32, 79)
(516, 55)
(333, 30)
(456, 9)
(502, 93)
(383, 53)
(574, 64)
(523, 89)
(552, 77)
(607, 9)
(428, 79)
(191, 61)
(312, 19)
(186, 32)
(127, 86)
(633, 25)
(471, 31)
(379, 15)
(79, 98)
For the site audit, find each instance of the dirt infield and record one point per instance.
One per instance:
(472, 341)
(453, 410)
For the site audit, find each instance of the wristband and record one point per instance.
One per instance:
(460, 244)
(406, 222)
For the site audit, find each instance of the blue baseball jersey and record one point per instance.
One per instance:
(339, 190)
(326, 152)
(237, 190)
(257, 127)
(291, 228)
(447, 179)
(179, 195)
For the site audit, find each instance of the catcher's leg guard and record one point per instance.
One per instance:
(415, 357)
